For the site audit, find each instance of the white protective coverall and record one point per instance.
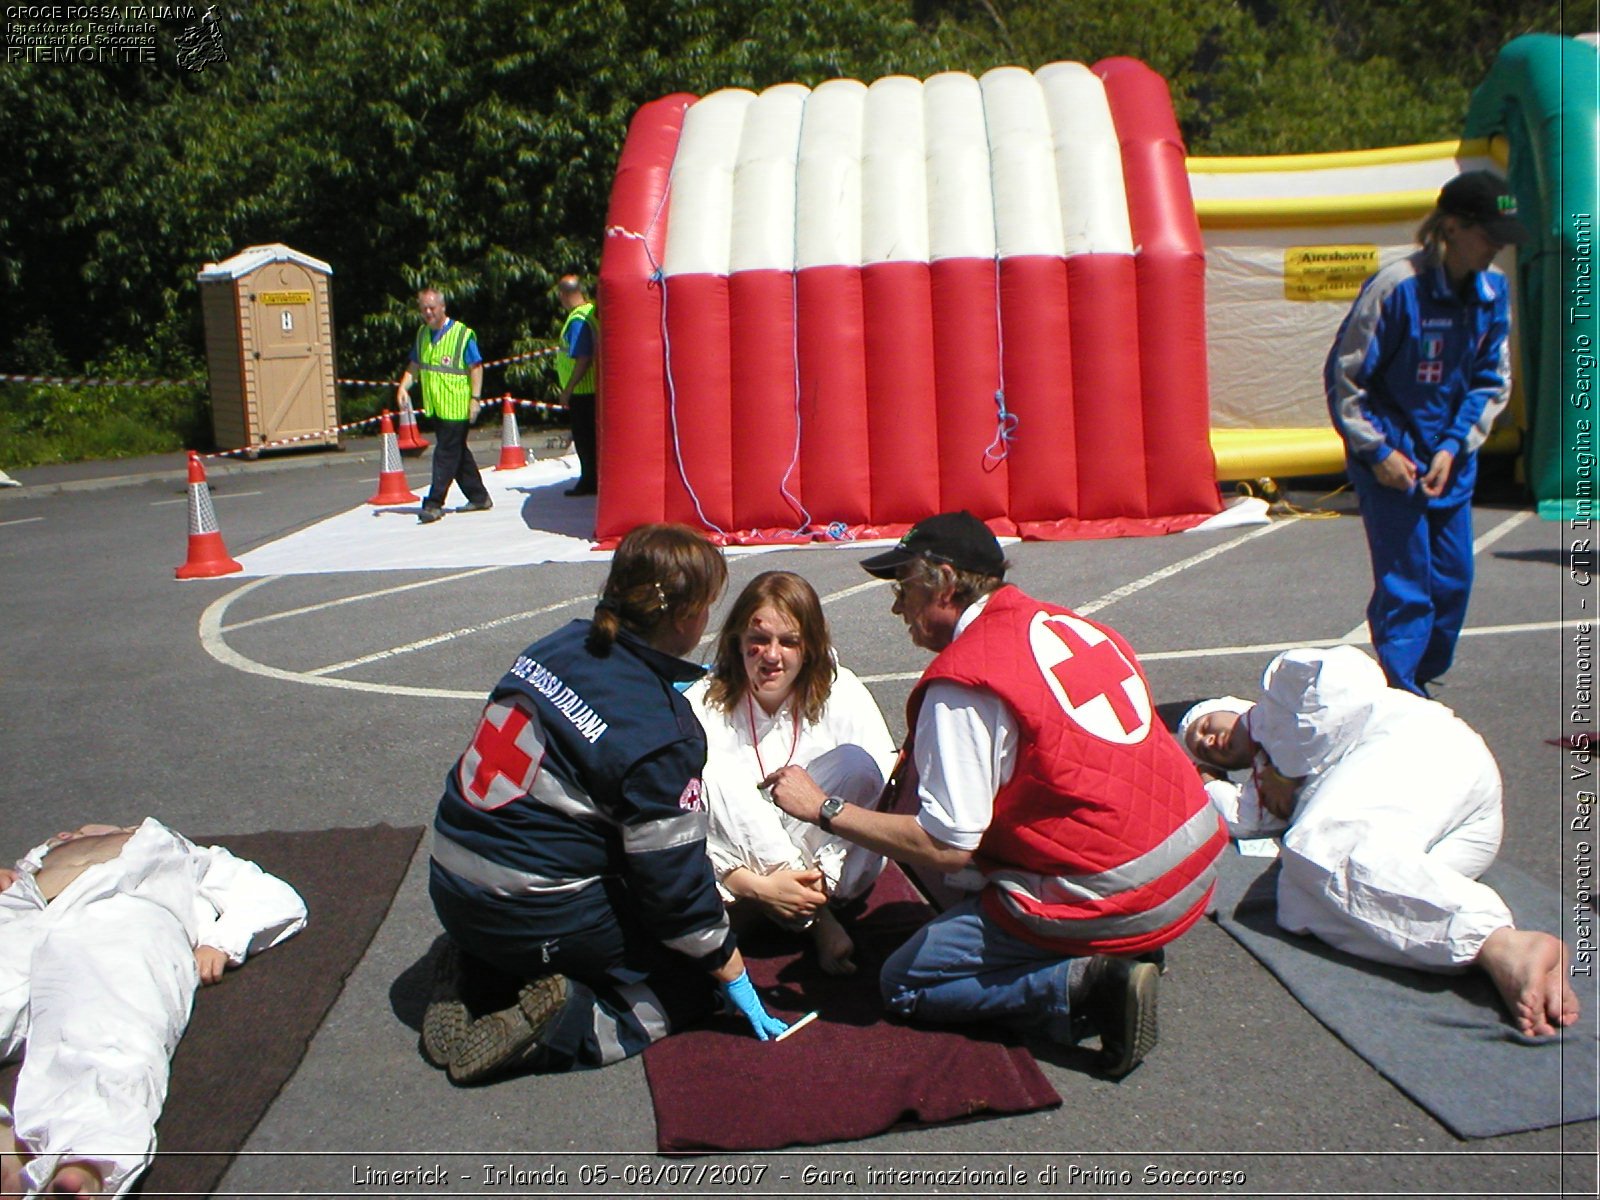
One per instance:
(848, 752)
(1398, 815)
(97, 985)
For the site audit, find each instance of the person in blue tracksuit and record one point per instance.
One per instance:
(569, 863)
(1415, 378)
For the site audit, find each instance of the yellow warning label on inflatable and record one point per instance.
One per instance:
(286, 297)
(1327, 272)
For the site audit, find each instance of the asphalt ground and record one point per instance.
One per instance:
(315, 701)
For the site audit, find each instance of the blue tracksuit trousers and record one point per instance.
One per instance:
(1421, 575)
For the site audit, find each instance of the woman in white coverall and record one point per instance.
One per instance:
(1392, 807)
(105, 933)
(776, 696)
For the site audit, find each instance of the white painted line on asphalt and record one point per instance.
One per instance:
(1167, 572)
(214, 496)
(854, 589)
(212, 640)
(20, 521)
(389, 591)
(1491, 536)
(1275, 647)
(216, 647)
(440, 639)
(1358, 635)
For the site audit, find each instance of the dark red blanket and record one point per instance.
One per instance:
(852, 1073)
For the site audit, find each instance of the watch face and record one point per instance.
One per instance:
(832, 807)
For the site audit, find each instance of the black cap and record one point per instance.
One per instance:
(1483, 198)
(957, 538)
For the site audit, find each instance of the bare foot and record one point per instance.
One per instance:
(1529, 969)
(10, 1164)
(834, 946)
(75, 1179)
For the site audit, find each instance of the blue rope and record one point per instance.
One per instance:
(658, 276)
(1005, 432)
(794, 326)
(1005, 422)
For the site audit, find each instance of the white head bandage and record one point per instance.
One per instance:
(1230, 704)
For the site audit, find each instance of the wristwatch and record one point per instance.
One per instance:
(831, 808)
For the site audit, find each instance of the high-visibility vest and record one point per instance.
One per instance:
(564, 361)
(446, 378)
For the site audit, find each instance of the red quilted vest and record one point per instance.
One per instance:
(1103, 841)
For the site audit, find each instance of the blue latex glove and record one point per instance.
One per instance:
(741, 993)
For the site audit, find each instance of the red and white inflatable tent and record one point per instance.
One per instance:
(834, 311)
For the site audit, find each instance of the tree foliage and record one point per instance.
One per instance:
(471, 145)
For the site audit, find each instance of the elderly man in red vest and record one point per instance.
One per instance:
(1043, 782)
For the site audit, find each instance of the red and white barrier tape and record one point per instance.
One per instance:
(500, 362)
(85, 381)
(290, 441)
(536, 405)
(90, 381)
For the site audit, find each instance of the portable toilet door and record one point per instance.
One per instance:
(269, 349)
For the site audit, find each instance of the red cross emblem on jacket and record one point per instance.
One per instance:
(503, 760)
(1090, 677)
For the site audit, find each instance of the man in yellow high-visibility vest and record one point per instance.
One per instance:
(446, 357)
(576, 370)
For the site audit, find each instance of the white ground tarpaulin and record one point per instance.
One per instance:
(531, 522)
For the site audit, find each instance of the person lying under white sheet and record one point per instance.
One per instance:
(1390, 807)
(105, 934)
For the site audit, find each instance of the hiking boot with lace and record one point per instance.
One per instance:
(1121, 1004)
(446, 1019)
(500, 1042)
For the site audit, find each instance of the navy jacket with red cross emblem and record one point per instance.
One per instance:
(586, 766)
(1103, 840)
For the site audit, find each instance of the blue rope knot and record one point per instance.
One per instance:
(1005, 430)
(839, 532)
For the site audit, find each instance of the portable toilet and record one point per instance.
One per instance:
(269, 348)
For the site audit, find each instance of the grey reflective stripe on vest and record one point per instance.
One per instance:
(1058, 890)
(681, 830)
(701, 942)
(1126, 925)
(497, 878)
(553, 793)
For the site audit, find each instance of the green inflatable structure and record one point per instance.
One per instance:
(1543, 96)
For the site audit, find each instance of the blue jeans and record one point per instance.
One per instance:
(962, 967)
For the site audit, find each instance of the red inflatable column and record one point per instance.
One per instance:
(1047, 472)
(699, 426)
(632, 365)
(1108, 400)
(835, 468)
(1171, 280)
(761, 315)
(973, 469)
(902, 407)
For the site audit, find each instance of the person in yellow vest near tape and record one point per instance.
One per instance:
(446, 358)
(576, 371)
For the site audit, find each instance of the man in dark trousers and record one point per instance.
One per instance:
(446, 357)
(577, 348)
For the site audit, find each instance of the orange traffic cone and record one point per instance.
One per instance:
(208, 557)
(391, 480)
(412, 442)
(512, 456)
